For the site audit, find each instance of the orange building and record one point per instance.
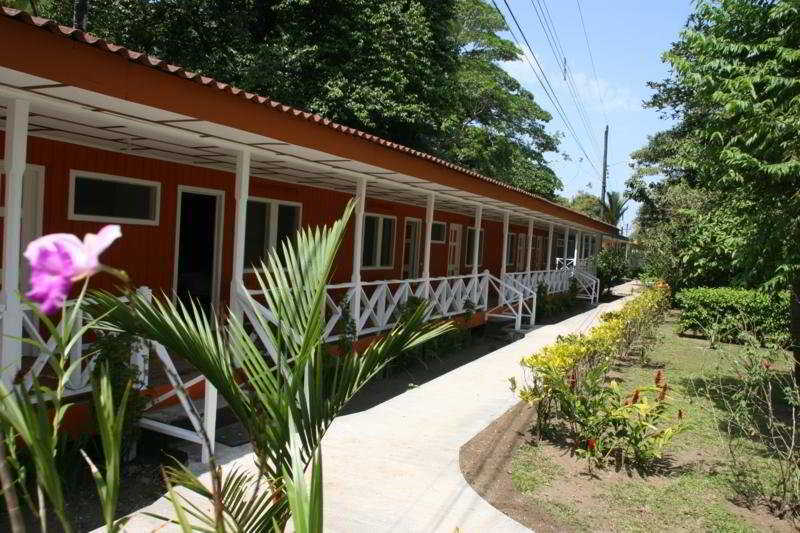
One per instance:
(205, 177)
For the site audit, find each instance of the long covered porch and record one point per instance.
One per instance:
(205, 178)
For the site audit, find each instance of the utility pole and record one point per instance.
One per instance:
(605, 168)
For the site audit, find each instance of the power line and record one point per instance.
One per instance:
(591, 58)
(542, 78)
(551, 34)
(546, 10)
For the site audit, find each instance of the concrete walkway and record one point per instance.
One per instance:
(395, 466)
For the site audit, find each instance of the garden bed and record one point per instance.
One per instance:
(547, 488)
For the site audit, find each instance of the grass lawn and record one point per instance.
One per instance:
(691, 493)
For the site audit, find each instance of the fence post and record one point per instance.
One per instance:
(382, 318)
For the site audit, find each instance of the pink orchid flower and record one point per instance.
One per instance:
(60, 259)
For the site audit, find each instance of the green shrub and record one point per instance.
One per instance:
(611, 266)
(114, 350)
(758, 397)
(569, 386)
(724, 314)
(555, 304)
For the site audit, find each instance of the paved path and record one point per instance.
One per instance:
(395, 466)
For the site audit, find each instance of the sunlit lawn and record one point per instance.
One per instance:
(694, 493)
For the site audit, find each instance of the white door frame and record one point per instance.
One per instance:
(454, 243)
(520, 253)
(414, 272)
(216, 277)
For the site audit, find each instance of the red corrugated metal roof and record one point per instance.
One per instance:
(160, 64)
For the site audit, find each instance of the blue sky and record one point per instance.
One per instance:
(627, 38)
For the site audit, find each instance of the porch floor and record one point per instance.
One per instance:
(394, 465)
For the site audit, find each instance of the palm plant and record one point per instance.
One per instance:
(33, 418)
(287, 397)
(614, 208)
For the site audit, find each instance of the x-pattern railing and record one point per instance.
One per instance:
(555, 280)
(514, 300)
(381, 302)
(45, 347)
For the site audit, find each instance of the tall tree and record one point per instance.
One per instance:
(586, 203)
(424, 73)
(734, 88)
(494, 125)
(380, 66)
(614, 207)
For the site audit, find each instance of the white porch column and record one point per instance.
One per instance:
(16, 144)
(503, 264)
(566, 245)
(550, 247)
(358, 245)
(528, 249)
(577, 253)
(426, 263)
(504, 259)
(242, 192)
(627, 249)
(476, 241)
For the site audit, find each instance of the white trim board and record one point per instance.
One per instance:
(71, 215)
(216, 277)
(379, 242)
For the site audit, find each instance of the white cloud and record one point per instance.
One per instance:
(596, 96)
(603, 94)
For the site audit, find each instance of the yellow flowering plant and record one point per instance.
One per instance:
(567, 383)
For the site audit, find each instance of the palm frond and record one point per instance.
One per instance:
(287, 396)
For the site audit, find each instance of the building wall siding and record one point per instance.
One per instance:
(147, 253)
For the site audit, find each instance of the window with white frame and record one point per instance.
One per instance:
(439, 232)
(377, 249)
(269, 223)
(468, 247)
(560, 251)
(106, 198)
(511, 249)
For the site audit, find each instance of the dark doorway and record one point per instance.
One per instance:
(196, 248)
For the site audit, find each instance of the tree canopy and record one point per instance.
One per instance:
(735, 91)
(493, 124)
(424, 73)
(586, 203)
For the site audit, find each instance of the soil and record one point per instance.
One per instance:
(141, 484)
(486, 463)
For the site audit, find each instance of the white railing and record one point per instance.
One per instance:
(564, 262)
(588, 286)
(555, 280)
(514, 300)
(382, 303)
(559, 280)
(586, 264)
(42, 348)
(585, 274)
